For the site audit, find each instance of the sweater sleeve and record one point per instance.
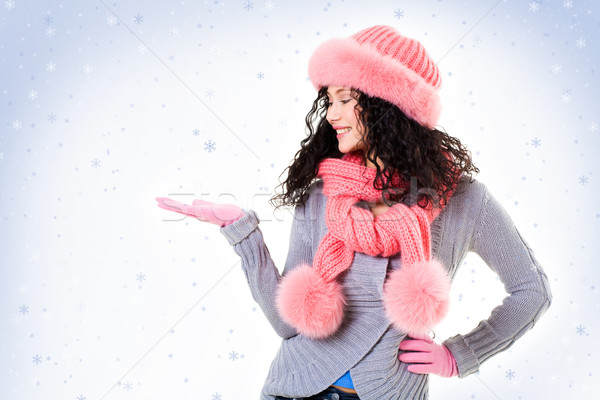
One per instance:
(498, 242)
(261, 273)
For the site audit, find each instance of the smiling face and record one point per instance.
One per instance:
(342, 116)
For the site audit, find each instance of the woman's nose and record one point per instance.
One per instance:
(332, 113)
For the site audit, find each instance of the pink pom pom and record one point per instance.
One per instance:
(417, 297)
(310, 304)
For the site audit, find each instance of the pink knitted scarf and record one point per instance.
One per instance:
(415, 296)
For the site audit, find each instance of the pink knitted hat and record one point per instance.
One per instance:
(381, 62)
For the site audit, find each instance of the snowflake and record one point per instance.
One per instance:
(81, 397)
(173, 32)
(210, 146)
(583, 180)
(580, 330)
(510, 374)
(556, 68)
(216, 396)
(50, 67)
(210, 93)
(37, 359)
(399, 14)
(248, 5)
(1, 156)
(567, 94)
(536, 142)
(534, 6)
(142, 48)
(48, 19)
(111, 20)
(10, 4)
(88, 69)
(17, 124)
(580, 43)
(138, 18)
(127, 386)
(269, 5)
(96, 163)
(23, 309)
(141, 277)
(50, 31)
(568, 4)
(233, 356)
(32, 95)
(260, 75)
(196, 132)
(52, 117)
(593, 127)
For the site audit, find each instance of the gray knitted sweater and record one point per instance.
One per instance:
(366, 343)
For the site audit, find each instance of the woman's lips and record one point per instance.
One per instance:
(339, 135)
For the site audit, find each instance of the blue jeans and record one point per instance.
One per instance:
(330, 393)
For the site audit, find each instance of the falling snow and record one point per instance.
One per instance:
(567, 95)
(107, 68)
(87, 69)
(210, 146)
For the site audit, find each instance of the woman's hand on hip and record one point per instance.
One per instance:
(427, 357)
(218, 214)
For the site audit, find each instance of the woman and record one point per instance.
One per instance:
(385, 212)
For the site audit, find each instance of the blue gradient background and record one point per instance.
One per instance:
(106, 105)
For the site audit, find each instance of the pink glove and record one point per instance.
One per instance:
(218, 214)
(428, 357)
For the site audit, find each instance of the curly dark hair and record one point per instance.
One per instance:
(432, 158)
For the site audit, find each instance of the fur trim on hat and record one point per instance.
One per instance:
(344, 62)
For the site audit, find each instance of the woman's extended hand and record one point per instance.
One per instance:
(218, 214)
(426, 356)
